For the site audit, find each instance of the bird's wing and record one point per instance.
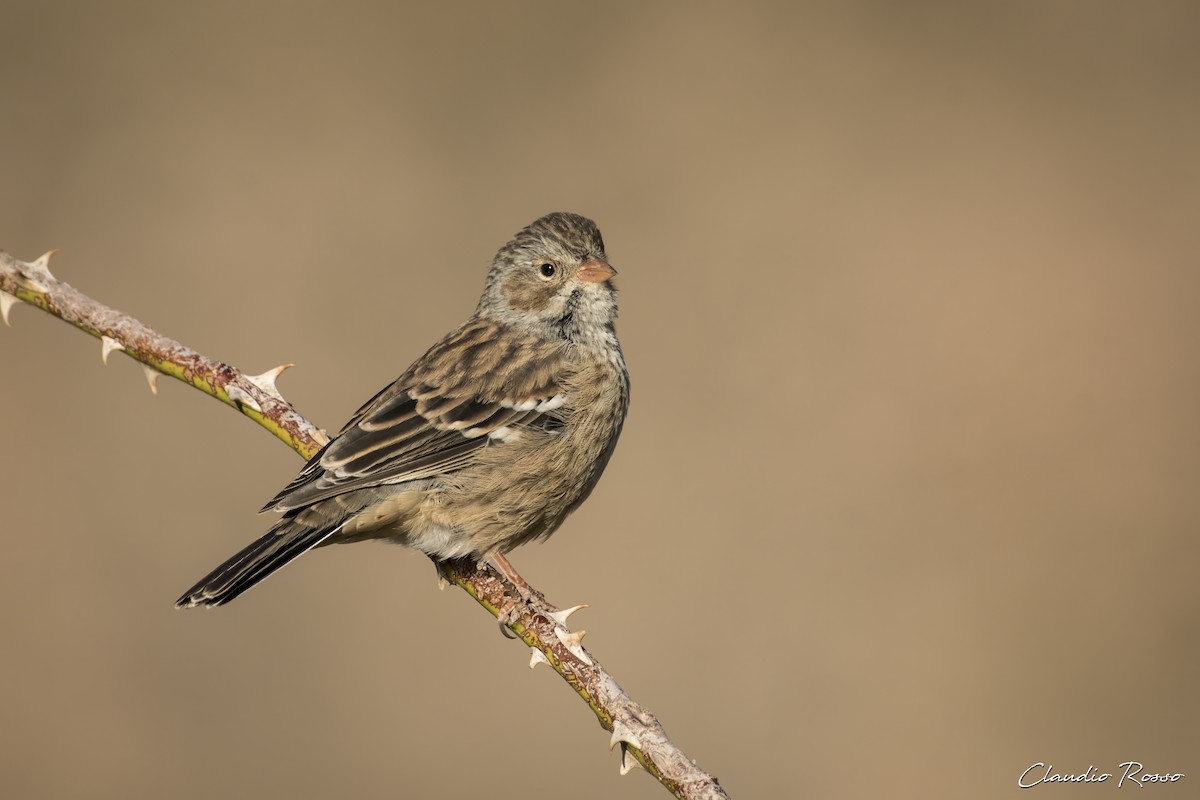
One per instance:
(475, 388)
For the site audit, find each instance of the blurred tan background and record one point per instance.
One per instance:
(907, 500)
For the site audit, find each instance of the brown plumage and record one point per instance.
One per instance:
(487, 441)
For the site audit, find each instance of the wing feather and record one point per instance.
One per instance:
(432, 419)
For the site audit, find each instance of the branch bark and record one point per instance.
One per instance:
(538, 624)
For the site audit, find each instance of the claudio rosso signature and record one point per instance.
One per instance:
(1132, 773)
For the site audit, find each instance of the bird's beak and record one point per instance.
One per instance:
(595, 270)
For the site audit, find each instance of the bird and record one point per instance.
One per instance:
(487, 441)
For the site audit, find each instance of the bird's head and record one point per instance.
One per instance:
(554, 279)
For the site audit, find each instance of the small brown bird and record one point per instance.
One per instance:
(488, 441)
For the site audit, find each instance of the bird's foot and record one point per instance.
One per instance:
(441, 575)
(519, 584)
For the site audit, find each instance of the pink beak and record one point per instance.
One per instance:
(595, 270)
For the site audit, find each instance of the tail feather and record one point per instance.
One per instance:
(285, 542)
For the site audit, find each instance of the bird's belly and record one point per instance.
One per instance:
(440, 541)
(500, 504)
(514, 493)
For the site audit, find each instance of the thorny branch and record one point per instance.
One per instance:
(641, 738)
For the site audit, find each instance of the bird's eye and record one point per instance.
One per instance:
(546, 269)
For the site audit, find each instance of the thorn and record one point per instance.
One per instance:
(107, 345)
(31, 284)
(623, 735)
(39, 268)
(7, 301)
(537, 657)
(42, 262)
(561, 616)
(571, 642)
(266, 381)
(241, 398)
(628, 764)
(151, 377)
(570, 639)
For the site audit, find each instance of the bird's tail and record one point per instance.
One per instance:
(286, 541)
